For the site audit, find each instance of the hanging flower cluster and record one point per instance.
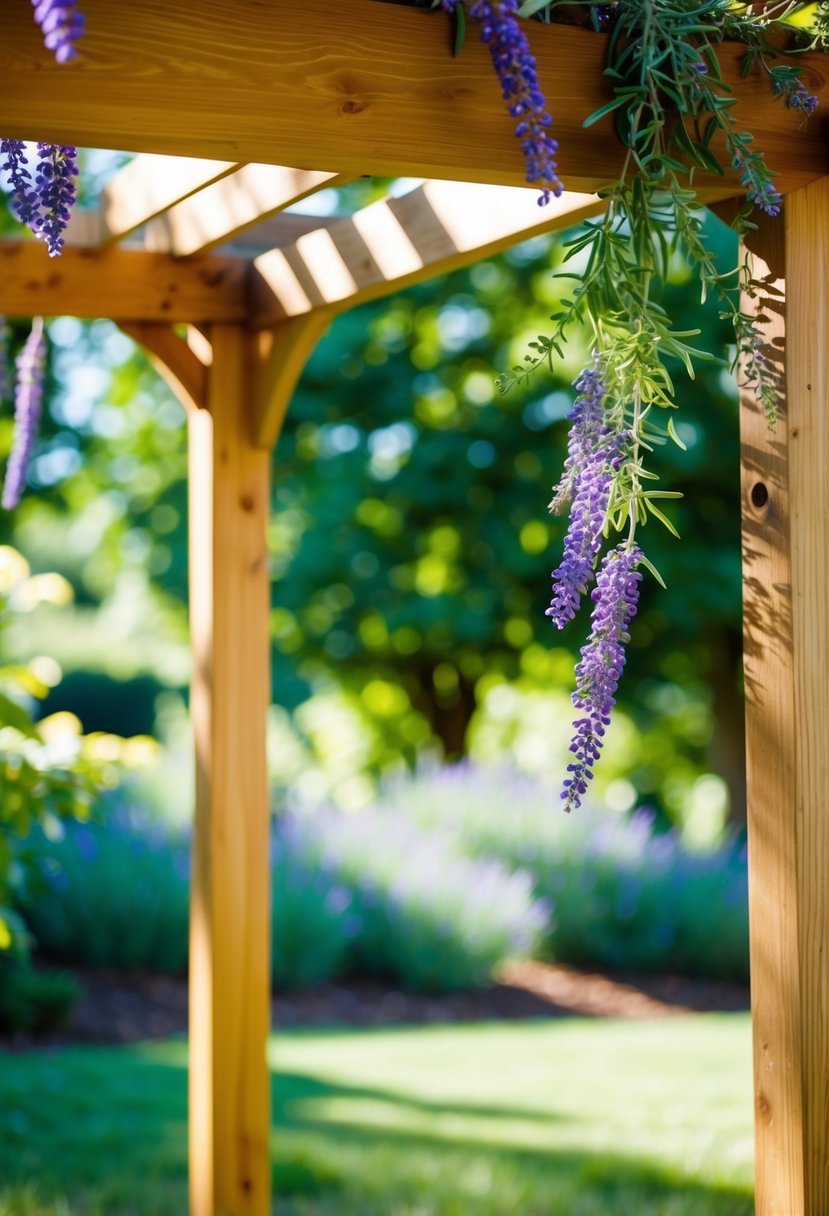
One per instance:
(515, 67)
(43, 200)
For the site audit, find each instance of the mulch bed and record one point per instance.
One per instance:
(119, 1008)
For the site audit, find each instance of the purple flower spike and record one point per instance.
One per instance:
(27, 403)
(615, 599)
(795, 96)
(594, 456)
(57, 169)
(62, 26)
(515, 65)
(24, 201)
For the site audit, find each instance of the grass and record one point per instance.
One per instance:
(564, 1118)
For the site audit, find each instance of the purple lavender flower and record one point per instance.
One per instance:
(755, 176)
(57, 169)
(62, 26)
(23, 198)
(602, 659)
(5, 380)
(795, 96)
(594, 455)
(516, 68)
(27, 402)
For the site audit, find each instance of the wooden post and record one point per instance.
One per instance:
(786, 626)
(230, 909)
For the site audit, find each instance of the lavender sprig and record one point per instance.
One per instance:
(61, 24)
(615, 598)
(517, 71)
(27, 404)
(594, 456)
(23, 197)
(57, 169)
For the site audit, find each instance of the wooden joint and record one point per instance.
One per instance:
(182, 368)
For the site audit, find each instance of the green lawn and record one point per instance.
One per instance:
(559, 1118)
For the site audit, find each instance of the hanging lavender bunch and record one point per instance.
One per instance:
(61, 24)
(594, 456)
(516, 69)
(5, 380)
(27, 404)
(57, 170)
(43, 203)
(615, 598)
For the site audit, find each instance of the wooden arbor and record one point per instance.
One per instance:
(364, 88)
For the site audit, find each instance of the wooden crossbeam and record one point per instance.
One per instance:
(356, 85)
(122, 284)
(230, 206)
(395, 242)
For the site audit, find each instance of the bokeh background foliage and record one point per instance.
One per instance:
(411, 549)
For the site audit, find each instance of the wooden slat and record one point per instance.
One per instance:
(786, 607)
(354, 85)
(244, 198)
(124, 285)
(149, 185)
(393, 243)
(230, 908)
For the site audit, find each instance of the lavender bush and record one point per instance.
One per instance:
(114, 893)
(621, 893)
(314, 919)
(430, 917)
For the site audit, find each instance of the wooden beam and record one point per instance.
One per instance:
(355, 85)
(230, 903)
(122, 284)
(278, 356)
(150, 185)
(786, 607)
(237, 202)
(174, 360)
(396, 242)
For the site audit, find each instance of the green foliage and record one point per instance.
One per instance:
(313, 922)
(112, 893)
(45, 776)
(33, 1002)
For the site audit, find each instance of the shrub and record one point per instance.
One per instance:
(33, 1001)
(313, 919)
(113, 893)
(622, 893)
(430, 918)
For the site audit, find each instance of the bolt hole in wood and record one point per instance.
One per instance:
(759, 494)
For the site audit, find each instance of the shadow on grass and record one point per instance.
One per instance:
(106, 1128)
(351, 1167)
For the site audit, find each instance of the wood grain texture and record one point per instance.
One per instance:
(786, 607)
(122, 284)
(352, 85)
(230, 908)
(237, 202)
(174, 360)
(396, 242)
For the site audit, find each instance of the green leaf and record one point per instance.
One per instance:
(460, 30)
(15, 716)
(672, 433)
(643, 561)
(663, 519)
